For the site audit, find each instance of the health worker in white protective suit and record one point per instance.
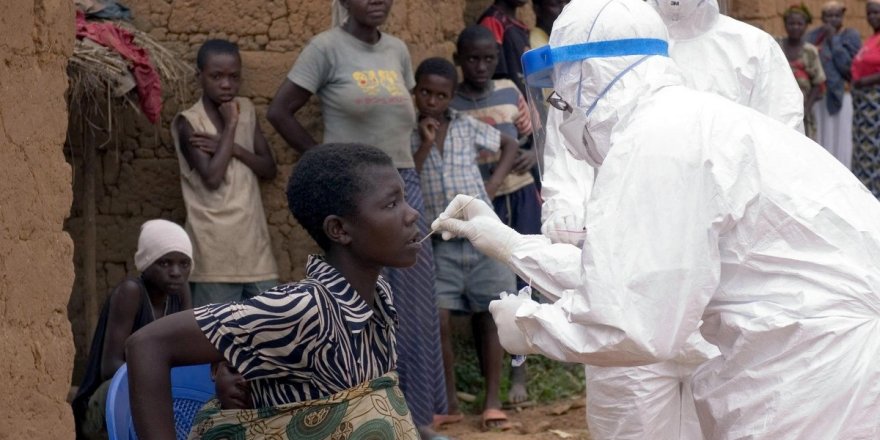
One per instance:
(716, 54)
(702, 209)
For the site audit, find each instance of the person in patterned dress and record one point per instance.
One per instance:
(866, 106)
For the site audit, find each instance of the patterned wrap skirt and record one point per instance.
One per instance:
(371, 410)
(866, 137)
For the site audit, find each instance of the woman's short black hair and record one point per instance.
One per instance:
(437, 66)
(212, 47)
(328, 180)
(472, 33)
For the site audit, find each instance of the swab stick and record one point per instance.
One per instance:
(458, 211)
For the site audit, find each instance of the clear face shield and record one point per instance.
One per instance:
(562, 120)
(538, 72)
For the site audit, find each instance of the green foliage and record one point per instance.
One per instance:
(548, 380)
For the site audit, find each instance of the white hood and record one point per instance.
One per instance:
(582, 83)
(687, 19)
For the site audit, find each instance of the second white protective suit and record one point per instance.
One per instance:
(702, 211)
(717, 54)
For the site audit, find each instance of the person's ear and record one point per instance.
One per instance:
(214, 366)
(455, 58)
(335, 229)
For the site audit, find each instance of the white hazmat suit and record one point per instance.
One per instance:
(702, 211)
(716, 54)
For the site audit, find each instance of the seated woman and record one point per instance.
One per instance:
(164, 259)
(866, 100)
(320, 354)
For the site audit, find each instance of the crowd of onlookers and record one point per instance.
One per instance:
(445, 135)
(838, 75)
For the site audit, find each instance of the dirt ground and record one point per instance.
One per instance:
(563, 420)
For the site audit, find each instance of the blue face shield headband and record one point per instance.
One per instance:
(538, 63)
(538, 68)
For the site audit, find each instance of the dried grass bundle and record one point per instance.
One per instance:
(100, 81)
(176, 74)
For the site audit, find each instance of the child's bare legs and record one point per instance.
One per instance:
(518, 392)
(491, 355)
(448, 361)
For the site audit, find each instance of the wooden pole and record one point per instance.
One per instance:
(89, 251)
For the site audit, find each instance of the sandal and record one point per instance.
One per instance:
(494, 419)
(447, 419)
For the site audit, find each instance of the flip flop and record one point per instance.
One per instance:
(495, 415)
(447, 419)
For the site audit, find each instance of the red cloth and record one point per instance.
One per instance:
(498, 22)
(149, 86)
(867, 61)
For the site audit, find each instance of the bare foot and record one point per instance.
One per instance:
(517, 393)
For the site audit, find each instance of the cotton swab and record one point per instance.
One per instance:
(458, 211)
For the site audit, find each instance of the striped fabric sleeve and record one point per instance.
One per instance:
(276, 334)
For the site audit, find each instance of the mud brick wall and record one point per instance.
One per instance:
(767, 14)
(36, 267)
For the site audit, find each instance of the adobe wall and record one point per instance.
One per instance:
(767, 14)
(36, 269)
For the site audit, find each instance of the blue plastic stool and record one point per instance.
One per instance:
(191, 387)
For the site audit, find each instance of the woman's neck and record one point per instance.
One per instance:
(158, 298)
(367, 34)
(362, 278)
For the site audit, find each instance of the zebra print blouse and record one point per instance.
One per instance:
(305, 340)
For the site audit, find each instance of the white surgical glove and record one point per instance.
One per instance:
(564, 227)
(477, 222)
(504, 313)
